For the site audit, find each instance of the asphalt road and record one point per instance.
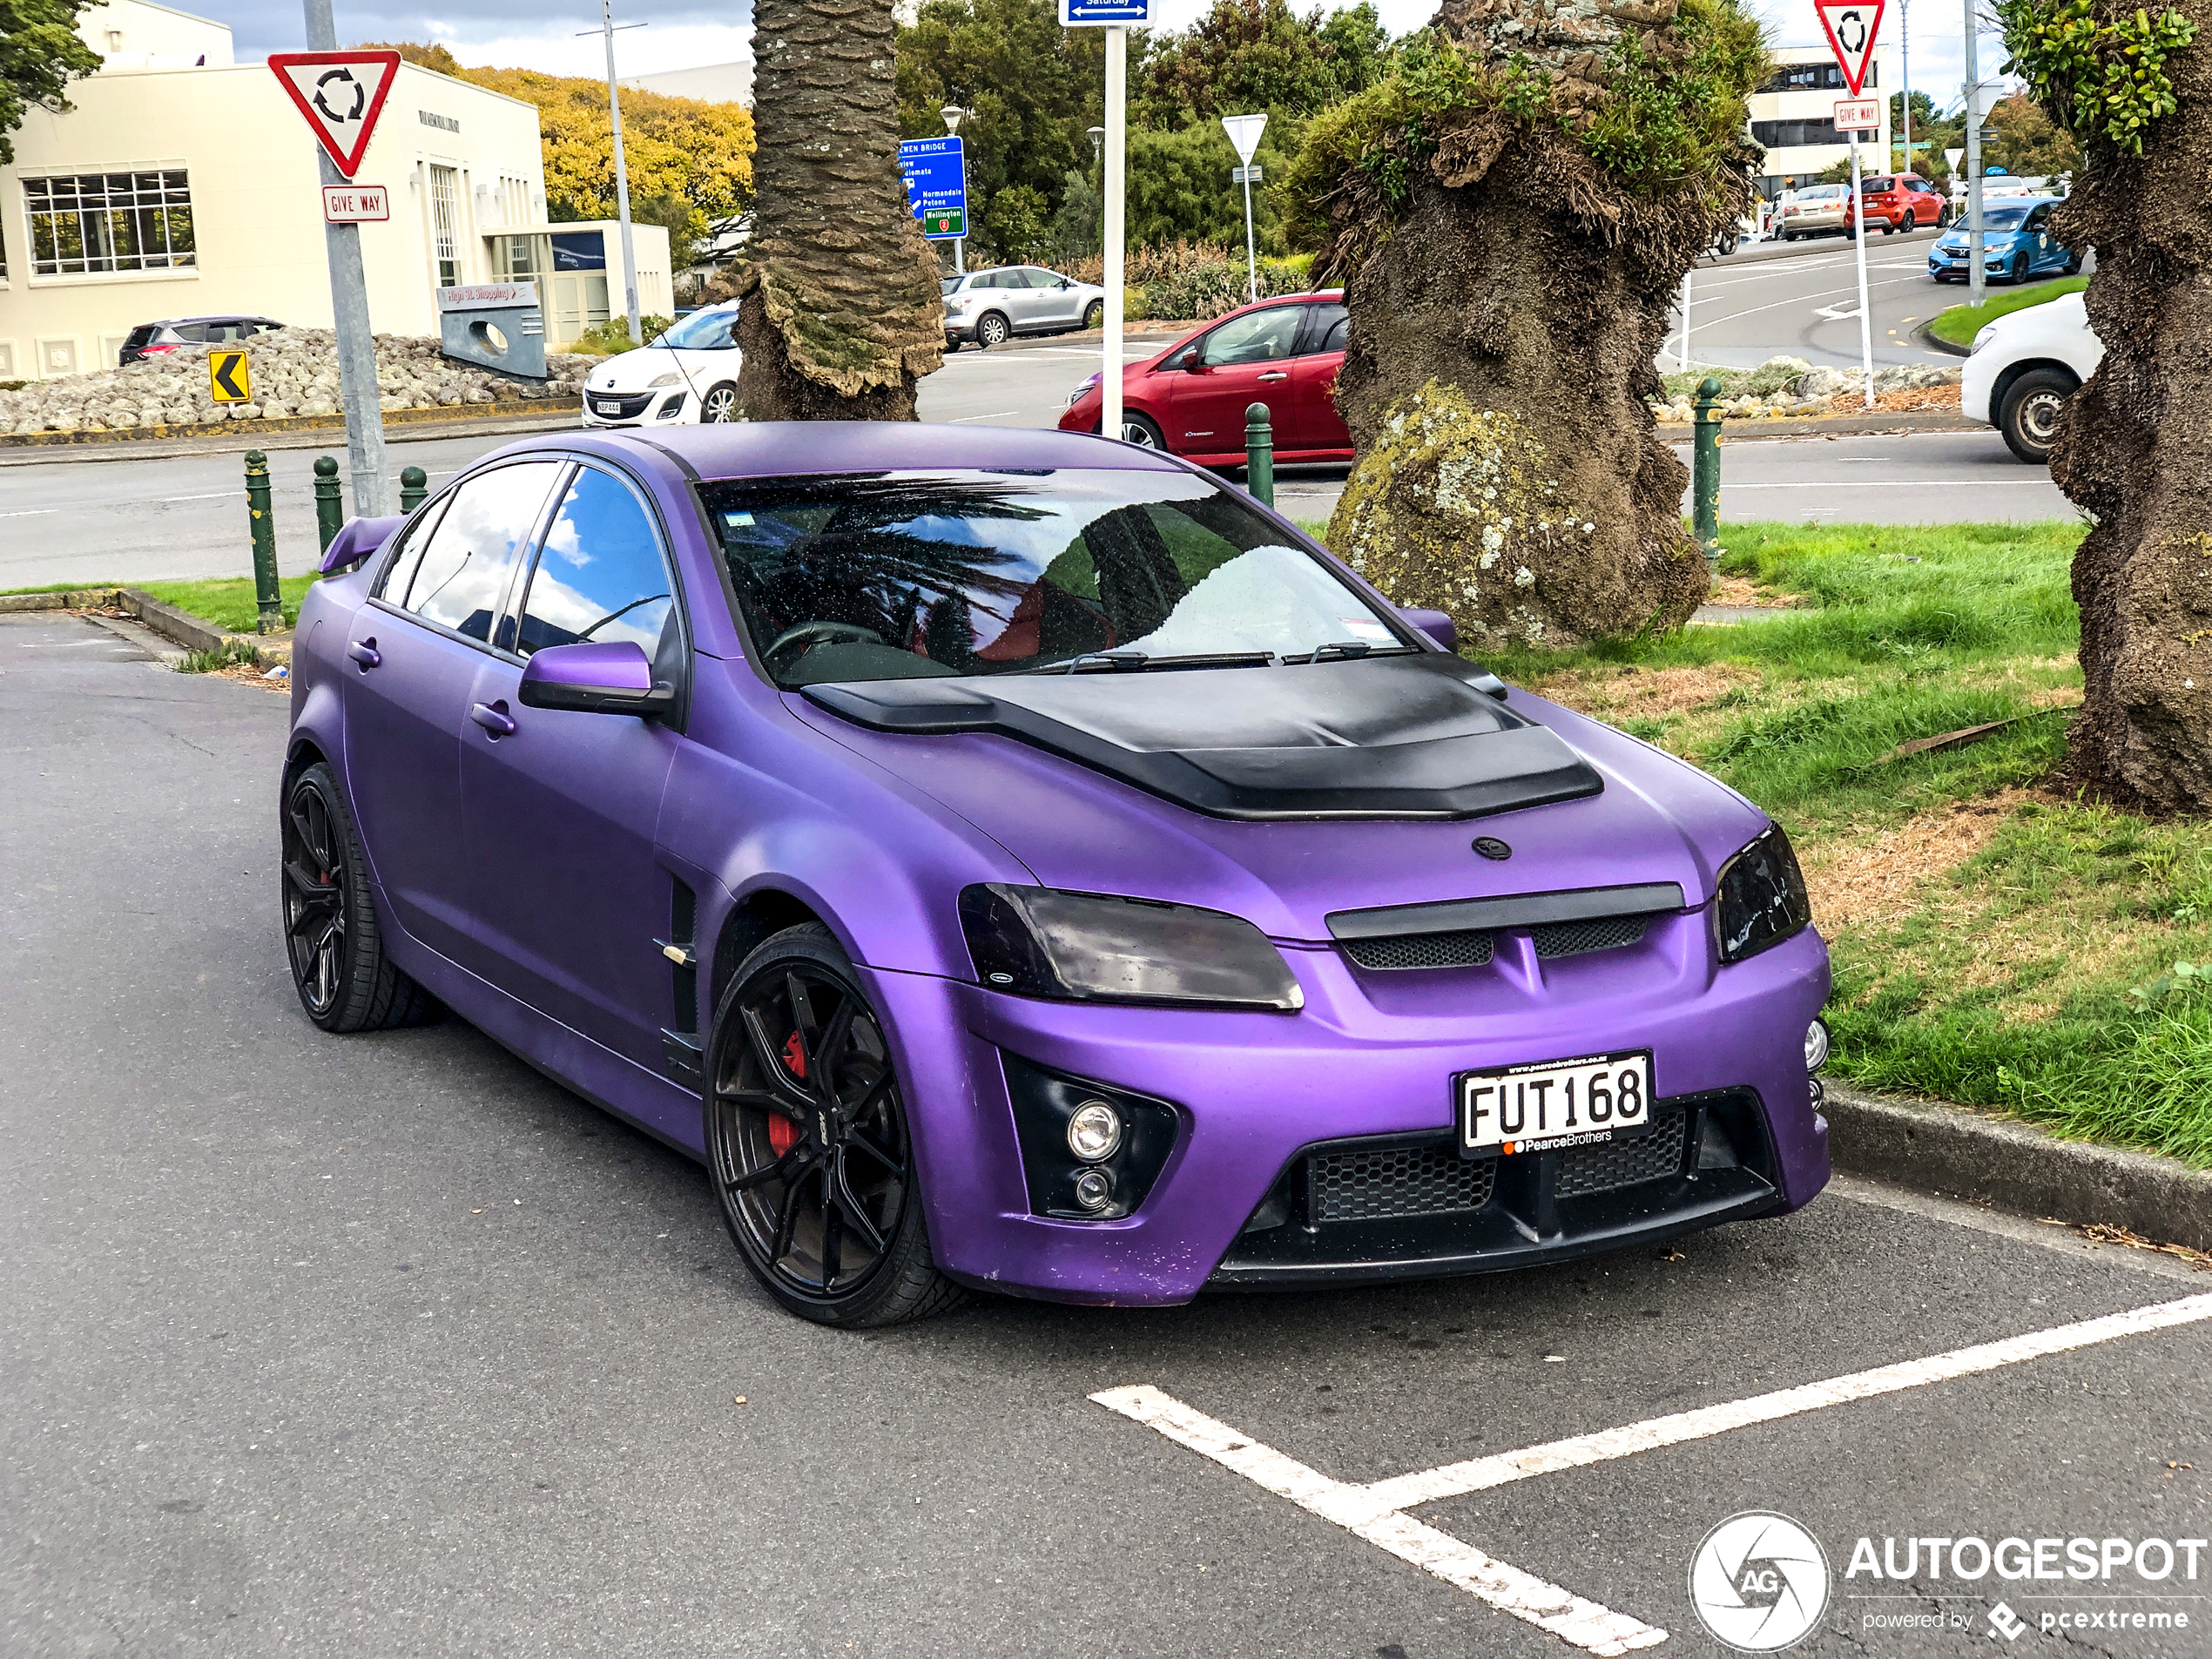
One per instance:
(389, 1345)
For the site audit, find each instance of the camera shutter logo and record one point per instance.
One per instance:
(1759, 1581)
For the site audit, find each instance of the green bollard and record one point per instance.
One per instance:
(1259, 455)
(1706, 476)
(330, 506)
(267, 595)
(414, 484)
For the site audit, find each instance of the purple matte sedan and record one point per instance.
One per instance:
(1017, 860)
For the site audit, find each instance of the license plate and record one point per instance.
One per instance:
(606, 407)
(1582, 1102)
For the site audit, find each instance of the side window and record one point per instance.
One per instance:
(1258, 337)
(1326, 329)
(465, 565)
(601, 577)
(400, 571)
(2038, 218)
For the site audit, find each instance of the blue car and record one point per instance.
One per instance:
(2017, 244)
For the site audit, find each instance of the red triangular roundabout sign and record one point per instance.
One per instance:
(341, 94)
(1850, 26)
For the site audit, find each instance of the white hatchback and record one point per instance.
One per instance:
(2024, 367)
(684, 377)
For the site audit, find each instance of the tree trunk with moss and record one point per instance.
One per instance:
(2135, 446)
(1512, 214)
(841, 313)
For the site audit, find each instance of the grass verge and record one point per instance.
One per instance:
(1961, 323)
(228, 601)
(1995, 942)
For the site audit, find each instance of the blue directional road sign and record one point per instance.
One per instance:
(1119, 13)
(936, 175)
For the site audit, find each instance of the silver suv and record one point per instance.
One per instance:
(991, 307)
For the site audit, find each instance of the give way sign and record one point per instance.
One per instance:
(341, 94)
(1850, 26)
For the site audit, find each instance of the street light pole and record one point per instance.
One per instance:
(1905, 74)
(951, 114)
(622, 175)
(1977, 282)
(1110, 382)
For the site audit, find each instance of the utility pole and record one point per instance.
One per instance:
(622, 173)
(1109, 384)
(1905, 74)
(1977, 280)
(358, 393)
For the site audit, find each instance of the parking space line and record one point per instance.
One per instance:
(1375, 1512)
(1574, 1619)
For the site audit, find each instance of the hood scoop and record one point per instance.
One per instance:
(1384, 737)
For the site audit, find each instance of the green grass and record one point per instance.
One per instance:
(1994, 941)
(228, 601)
(1961, 323)
(231, 651)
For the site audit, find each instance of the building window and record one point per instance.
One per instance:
(517, 259)
(445, 224)
(1781, 135)
(1812, 78)
(83, 224)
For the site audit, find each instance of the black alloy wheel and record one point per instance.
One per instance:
(1094, 314)
(990, 330)
(345, 980)
(719, 404)
(1910, 223)
(808, 1144)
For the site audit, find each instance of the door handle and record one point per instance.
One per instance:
(1275, 375)
(493, 718)
(364, 651)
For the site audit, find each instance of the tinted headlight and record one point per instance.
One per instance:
(1079, 947)
(1761, 898)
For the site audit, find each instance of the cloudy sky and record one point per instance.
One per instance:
(543, 34)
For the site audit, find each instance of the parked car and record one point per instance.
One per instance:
(2024, 367)
(154, 338)
(1815, 210)
(2016, 245)
(1901, 201)
(683, 376)
(1190, 399)
(991, 307)
(1017, 860)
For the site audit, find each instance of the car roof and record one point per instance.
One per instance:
(745, 449)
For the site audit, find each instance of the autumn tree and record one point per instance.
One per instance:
(1511, 211)
(2135, 89)
(841, 312)
(40, 54)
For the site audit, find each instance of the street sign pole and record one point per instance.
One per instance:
(1244, 132)
(1859, 240)
(358, 393)
(621, 180)
(1109, 381)
(1977, 283)
(1852, 26)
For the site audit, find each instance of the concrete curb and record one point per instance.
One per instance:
(1955, 1153)
(505, 409)
(1814, 426)
(193, 633)
(1923, 335)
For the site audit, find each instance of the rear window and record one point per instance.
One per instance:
(142, 335)
(1874, 187)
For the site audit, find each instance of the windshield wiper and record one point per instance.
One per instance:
(1137, 662)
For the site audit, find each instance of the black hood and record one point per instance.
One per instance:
(1416, 736)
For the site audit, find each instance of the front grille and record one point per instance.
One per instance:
(1421, 950)
(1623, 1164)
(1385, 1183)
(619, 408)
(1577, 938)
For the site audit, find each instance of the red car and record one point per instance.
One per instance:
(1901, 202)
(1190, 399)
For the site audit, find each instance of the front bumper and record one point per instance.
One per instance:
(1370, 1055)
(609, 410)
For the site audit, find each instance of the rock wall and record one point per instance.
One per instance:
(295, 371)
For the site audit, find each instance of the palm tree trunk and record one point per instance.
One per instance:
(841, 313)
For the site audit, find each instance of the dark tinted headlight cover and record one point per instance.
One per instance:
(1080, 946)
(1762, 899)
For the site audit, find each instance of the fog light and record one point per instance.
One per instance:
(1095, 1132)
(1816, 1046)
(1093, 1189)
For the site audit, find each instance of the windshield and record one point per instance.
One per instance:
(2003, 219)
(701, 331)
(903, 575)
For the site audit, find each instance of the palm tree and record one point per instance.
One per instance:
(841, 313)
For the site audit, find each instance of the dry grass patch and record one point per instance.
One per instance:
(1611, 693)
(1860, 884)
(1743, 591)
(1910, 400)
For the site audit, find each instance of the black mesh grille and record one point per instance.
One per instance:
(1574, 938)
(1623, 1164)
(1421, 950)
(619, 408)
(1398, 1181)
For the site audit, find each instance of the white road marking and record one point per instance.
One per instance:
(1837, 313)
(31, 513)
(1583, 1623)
(1374, 1512)
(963, 420)
(218, 495)
(1870, 484)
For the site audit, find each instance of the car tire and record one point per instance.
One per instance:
(2029, 413)
(720, 403)
(1788, 236)
(345, 980)
(1094, 314)
(2074, 264)
(1909, 223)
(825, 1107)
(991, 329)
(1141, 430)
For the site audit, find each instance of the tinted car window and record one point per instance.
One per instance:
(1874, 187)
(1258, 337)
(406, 550)
(600, 577)
(465, 562)
(1330, 323)
(191, 331)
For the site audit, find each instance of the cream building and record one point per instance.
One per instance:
(1793, 115)
(185, 184)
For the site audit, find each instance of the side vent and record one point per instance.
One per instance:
(679, 1040)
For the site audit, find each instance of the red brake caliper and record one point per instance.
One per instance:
(783, 1134)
